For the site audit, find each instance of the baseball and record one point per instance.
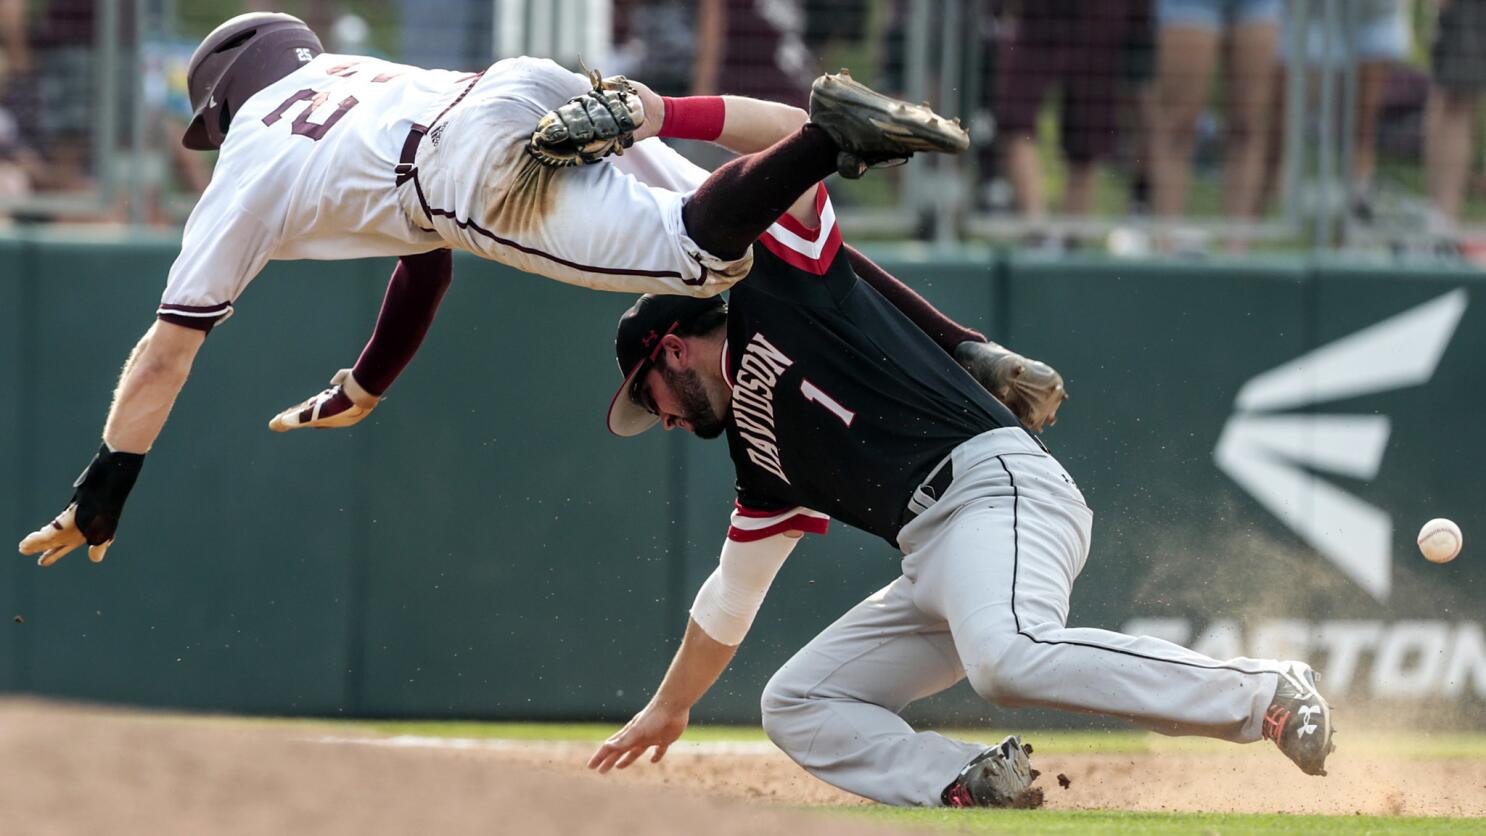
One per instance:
(1440, 540)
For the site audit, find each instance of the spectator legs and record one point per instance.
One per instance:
(1185, 60)
(1024, 169)
(1249, 95)
(1372, 82)
(1447, 147)
(1078, 196)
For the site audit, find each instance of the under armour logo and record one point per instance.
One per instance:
(650, 338)
(1305, 713)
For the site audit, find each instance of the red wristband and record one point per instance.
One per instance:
(693, 117)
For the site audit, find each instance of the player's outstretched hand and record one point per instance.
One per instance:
(58, 537)
(1031, 389)
(343, 404)
(651, 727)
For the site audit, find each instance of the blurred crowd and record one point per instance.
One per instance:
(93, 103)
(1158, 88)
(1170, 109)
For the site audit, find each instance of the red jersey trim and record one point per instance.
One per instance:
(749, 524)
(808, 233)
(811, 250)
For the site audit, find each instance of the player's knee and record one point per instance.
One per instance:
(995, 671)
(992, 680)
(779, 705)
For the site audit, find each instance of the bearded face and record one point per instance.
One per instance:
(696, 408)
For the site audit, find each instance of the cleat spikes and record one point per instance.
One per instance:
(1298, 720)
(872, 130)
(1000, 776)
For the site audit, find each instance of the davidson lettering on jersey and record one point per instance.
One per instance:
(753, 401)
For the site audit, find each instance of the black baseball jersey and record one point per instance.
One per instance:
(840, 403)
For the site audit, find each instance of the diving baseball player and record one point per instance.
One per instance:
(330, 156)
(834, 405)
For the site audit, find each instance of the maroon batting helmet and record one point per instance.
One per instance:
(239, 58)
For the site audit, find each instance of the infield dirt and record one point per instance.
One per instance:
(1242, 779)
(87, 770)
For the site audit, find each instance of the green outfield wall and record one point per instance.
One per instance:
(1260, 442)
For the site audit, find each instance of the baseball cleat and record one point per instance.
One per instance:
(1299, 720)
(1001, 776)
(872, 129)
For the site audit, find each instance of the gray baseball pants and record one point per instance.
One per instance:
(987, 571)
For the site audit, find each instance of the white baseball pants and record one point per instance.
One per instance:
(987, 571)
(615, 225)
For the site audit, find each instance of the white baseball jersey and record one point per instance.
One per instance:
(310, 169)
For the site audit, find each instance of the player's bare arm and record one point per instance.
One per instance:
(751, 125)
(700, 660)
(619, 112)
(153, 376)
(723, 612)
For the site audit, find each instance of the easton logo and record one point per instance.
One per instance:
(1272, 455)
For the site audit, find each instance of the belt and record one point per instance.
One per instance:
(931, 490)
(405, 169)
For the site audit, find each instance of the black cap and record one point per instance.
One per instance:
(637, 344)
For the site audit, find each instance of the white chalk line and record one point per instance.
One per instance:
(750, 748)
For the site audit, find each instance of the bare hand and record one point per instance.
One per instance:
(651, 727)
(58, 537)
(655, 111)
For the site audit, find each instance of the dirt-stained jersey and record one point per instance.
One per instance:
(841, 405)
(307, 171)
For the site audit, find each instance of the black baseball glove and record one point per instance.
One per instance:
(590, 126)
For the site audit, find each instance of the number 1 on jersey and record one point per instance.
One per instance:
(814, 394)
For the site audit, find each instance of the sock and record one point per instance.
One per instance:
(734, 206)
